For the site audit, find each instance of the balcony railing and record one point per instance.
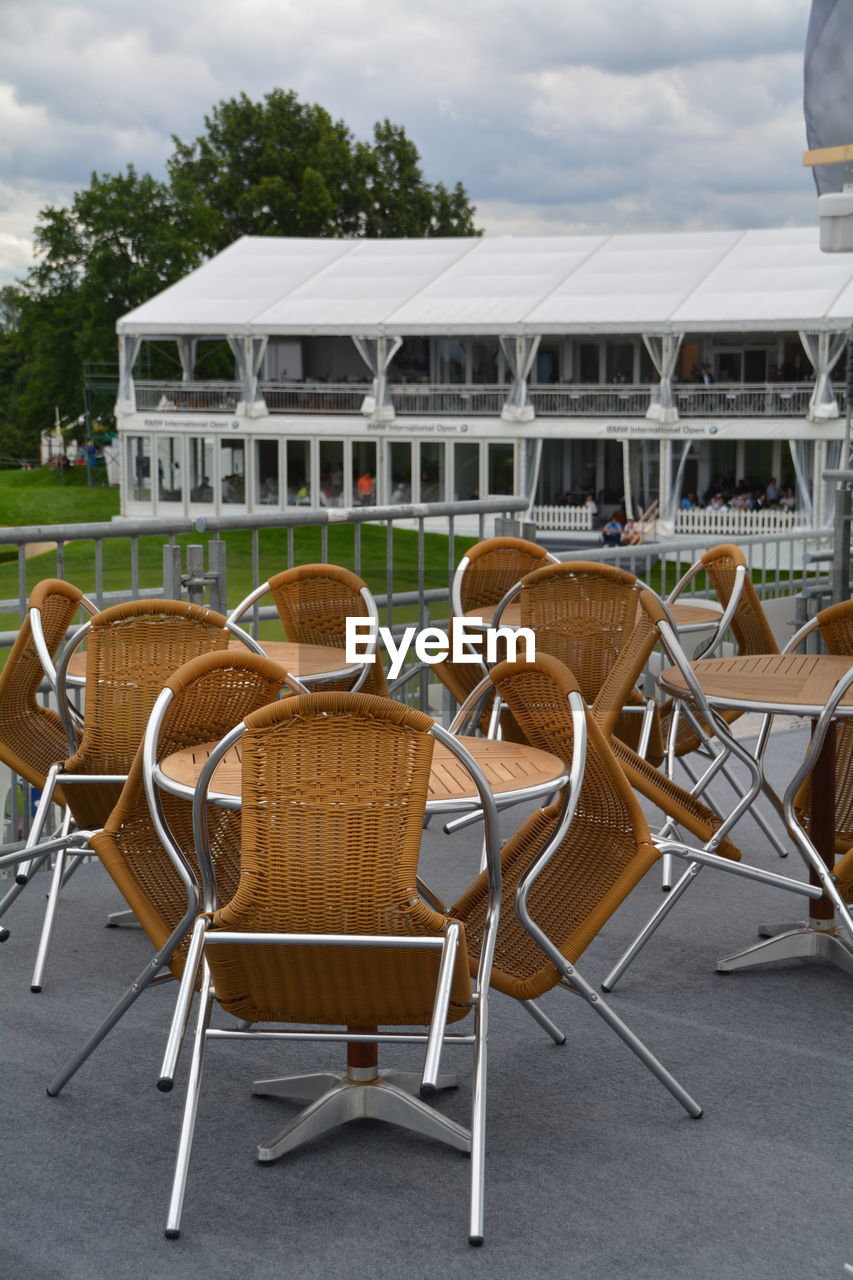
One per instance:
(315, 397)
(719, 400)
(187, 397)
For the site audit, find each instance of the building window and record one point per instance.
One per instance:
(484, 360)
(452, 366)
(201, 468)
(331, 473)
(364, 472)
(232, 458)
(619, 362)
(501, 468)
(139, 468)
(170, 486)
(466, 472)
(298, 464)
(589, 366)
(400, 472)
(266, 473)
(432, 472)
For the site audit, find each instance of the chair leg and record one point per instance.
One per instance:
(182, 1163)
(49, 921)
(478, 1122)
(634, 1043)
(153, 968)
(538, 1015)
(11, 894)
(649, 928)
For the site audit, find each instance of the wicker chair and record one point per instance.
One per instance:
(199, 703)
(571, 864)
(488, 570)
(334, 787)
(131, 650)
(481, 580)
(313, 603)
(32, 737)
(682, 808)
(583, 613)
(726, 569)
(834, 625)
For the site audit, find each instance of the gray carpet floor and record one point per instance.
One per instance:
(593, 1170)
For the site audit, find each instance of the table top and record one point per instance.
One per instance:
(686, 615)
(302, 660)
(784, 684)
(513, 771)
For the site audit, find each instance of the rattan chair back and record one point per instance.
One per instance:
(333, 799)
(684, 808)
(210, 695)
(835, 625)
(491, 567)
(582, 613)
(32, 737)
(749, 624)
(601, 858)
(314, 602)
(131, 650)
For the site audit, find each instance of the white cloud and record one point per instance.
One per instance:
(564, 114)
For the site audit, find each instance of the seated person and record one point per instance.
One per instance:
(631, 534)
(611, 534)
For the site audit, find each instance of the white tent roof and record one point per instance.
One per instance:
(692, 280)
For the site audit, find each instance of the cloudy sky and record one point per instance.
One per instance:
(563, 115)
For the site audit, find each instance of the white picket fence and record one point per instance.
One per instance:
(573, 519)
(735, 523)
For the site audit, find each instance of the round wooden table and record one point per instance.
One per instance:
(686, 615)
(305, 661)
(799, 685)
(513, 771)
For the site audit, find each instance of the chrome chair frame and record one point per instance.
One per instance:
(698, 714)
(156, 968)
(334, 1099)
(359, 670)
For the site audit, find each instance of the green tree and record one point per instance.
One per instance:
(122, 239)
(283, 167)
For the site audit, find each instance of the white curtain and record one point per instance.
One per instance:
(823, 350)
(187, 348)
(128, 350)
(833, 451)
(519, 354)
(249, 356)
(674, 504)
(377, 354)
(663, 349)
(532, 463)
(802, 453)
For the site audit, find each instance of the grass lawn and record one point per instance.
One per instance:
(43, 497)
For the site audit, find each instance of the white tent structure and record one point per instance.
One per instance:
(502, 341)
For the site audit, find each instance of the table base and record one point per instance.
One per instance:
(359, 1093)
(796, 940)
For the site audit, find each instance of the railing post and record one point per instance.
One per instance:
(172, 589)
(841, 546)
(194, 578)
(217, 574)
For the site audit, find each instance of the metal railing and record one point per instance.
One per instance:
(187, 397)
(410, 398)
(784, 565)
(692, 400)
(314, 397)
